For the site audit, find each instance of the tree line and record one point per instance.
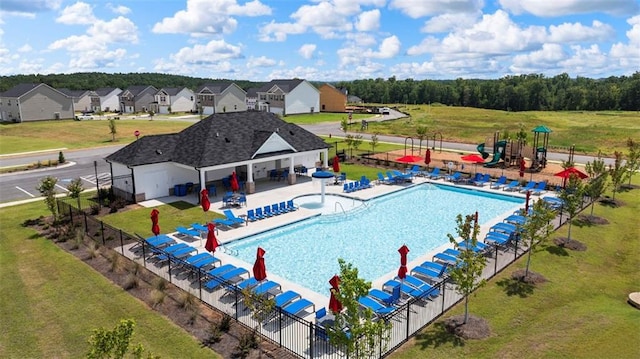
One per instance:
(532, 92)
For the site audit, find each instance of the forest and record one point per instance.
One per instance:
(531, 92)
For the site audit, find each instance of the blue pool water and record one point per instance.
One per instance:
(307, 252)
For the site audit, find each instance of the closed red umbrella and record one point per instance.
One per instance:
(402, 271)
(155, 228)
(336, 164)
(427, 157)
(212, 241)
(234, 182)
(334, 304)
(523, 166)
(204, 200)
(259, 269)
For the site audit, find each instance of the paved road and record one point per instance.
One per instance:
(22, 186)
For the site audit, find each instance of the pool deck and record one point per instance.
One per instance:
(272, 192)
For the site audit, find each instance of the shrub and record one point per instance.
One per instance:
(95, 209)
(215, 334)
(61, 158)
(116, 262)
(157, 298)
(225, 323)
(132, 281)
(187, 300)
(160, 284)
(93, 251)
(247, 342)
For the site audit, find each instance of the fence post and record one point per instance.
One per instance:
(200, 283)
(104, 243)
(444, 290)
(144, 254)
(169, 260)
(86, 224)
(495, 266)
(121, 243)
(311, 337)
(71, 215)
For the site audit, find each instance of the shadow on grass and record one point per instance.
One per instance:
(557, 250)
(436, 336)
(181, 205)
(513, 287)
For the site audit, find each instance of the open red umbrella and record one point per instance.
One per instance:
(155, 228)
(473, 158)
(259, 269)
(409, 159)
(234, 182)
(334, 305)
(523, 166)
(402, 271)
(212, 241)
(336, 164)
(204, 200)
(427, 157)
(568, 172)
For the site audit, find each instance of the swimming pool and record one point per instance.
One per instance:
(369, 236)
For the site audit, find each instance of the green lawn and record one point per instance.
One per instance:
(581, 312)
(318, 117)
(50, 301)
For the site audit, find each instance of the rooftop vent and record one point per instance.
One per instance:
(227, 140)
(159, 151)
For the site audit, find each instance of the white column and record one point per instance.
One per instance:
(203, 185)
(326, 159)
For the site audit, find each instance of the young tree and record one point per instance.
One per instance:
(61, 159)
(357, 141)
(421, 133)
(536, 229)
(151, 114)
(344, 126)
(365, 335)
(617, 173)
(374, 142)
(571, 197)
(75, 188)
(598, 180)
(633, 159)
(112, 129)
(115, 343)
(467, 272)
(349, 142)
(262, 308)
(47, 188)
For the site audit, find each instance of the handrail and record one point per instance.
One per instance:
(335, 208)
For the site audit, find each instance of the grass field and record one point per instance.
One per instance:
(50, 301)
(581, 312)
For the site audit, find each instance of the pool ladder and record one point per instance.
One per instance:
(230, 251)
(335, 208)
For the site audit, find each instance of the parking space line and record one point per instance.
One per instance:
(20, 189)
(62, 188)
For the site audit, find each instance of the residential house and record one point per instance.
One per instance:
(137, 99)
(174, 99)
(107, 99)
(332, 99)
(289, 97)
(252, 144)
(81, 99)
(252, 99)
(220, 97)
(34, 102)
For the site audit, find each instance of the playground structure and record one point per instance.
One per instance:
(507, 153)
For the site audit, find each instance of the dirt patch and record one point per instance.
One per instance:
(570, 244)
(199, 320)
(530, 278)
(610, 202)
(593, 220)
(474, 328)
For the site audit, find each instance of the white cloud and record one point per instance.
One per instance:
(389, 48)
(307, 50)
(97, 59)
(546, 58)
(79, 13)
(552, 8)
(421, 8)
(368, 20)
(576, 32)
(213, 56)
(427, 45)
(118, 9)
(628, 55)
(25, 48)
(28, 8)
(278, 31)
(262, 61)
(100, 35)
(210, 17)
(450, 21)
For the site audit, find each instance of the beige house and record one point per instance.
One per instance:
(107, 99)
(137, 99)
(81, 99)
(289, 97)
(332, 99)
(220, 97)
(174, 99)
(34, 102)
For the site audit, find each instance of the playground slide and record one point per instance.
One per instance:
(480, 149)
(498, 154)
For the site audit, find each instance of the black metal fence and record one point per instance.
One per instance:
(299, 336)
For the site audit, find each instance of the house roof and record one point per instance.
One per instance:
(214, 87)
(219, 139)
(171, 91)
(285, 85)
(104, 91)
(22, 89)
(252, 92)
(137, 89)
(73, 93)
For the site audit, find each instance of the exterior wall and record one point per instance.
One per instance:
(43, 103)
(83, 103)
(122, 189)
(305, 98)
(232, 101)
(184, 101)
(126, 102)
(252, 103)
(111, 102)
(156, 180)
(332, 100)
(143, 100)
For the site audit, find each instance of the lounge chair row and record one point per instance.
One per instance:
(536, 188)
(230, 220)
(271, 210)
(394, 177)
(363, 183)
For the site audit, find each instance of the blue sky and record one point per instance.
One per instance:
(322, 40)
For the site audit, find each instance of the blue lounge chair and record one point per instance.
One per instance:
(486, 178)
(221, 270)
(267, 211)
(167, 250)
(160, 240)
(224, 222)
(266, 287)
(512, 186)
(251, 215)
(195, 258)
(426, 290)
(283, 207)
(405, 177)
(207, 261)
(440, 268)
(345, 188)
(539, 188)
(434, 174)
(376, 307)
(507, 228)
(232, 276)
(530, 185)
(283, 299)
(479, 247)
(177, 252)
(516, 219)
(259, 213)
(232, 217)
(382, 180)
(454, 177)
(187, 232)
(445, 258)
(497, 238)
(405, 288)
(199, 227)
(290, 206)
(499, 183)
(276, 210)
(247, 283)
(553, 202)
(415, 170)
(426, 273)
(299, 306)
(381, 296)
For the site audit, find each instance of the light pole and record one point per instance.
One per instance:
(95, 168)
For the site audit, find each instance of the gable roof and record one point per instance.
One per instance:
(22, 89)
(214, 87)
(104, 91)
(285, 85)
(73, 93)
(219, 139)
(138, 89)
(171, 91)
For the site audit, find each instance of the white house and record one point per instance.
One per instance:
(108, 99)
(174, 99)
(33, 102)
(249, 143)
(289, 97)
(220, 97)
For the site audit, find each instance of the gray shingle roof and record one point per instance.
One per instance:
(171, 91)
(219, 139)
(285, 85)
(19, 90)
(137, 89)
(214, 87)
(104, 91)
